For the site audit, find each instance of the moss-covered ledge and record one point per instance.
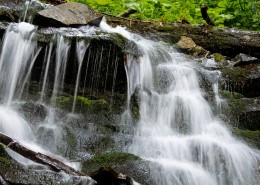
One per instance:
(251, 137)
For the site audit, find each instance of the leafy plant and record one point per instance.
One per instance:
(243, 14)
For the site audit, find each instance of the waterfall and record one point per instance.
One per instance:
(62, 52)
(18, 51)
(177, 131)
(81, 50)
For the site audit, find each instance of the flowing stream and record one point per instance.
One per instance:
(177, 132)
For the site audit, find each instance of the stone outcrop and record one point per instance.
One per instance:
(68, 14)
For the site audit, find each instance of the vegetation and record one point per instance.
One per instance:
(232, 13)
(107, 160)
(252, 137)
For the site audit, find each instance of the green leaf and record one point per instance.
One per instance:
(102, 2)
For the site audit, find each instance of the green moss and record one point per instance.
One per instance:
(82, 103)
(64, 101)
(237, 106)
(231, 95)
(3, 152)
(94, 105)
(107, 160)
(237, 74)
(218, 57)
(252, 137)
(4, 157)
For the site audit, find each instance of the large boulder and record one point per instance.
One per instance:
(68, 14)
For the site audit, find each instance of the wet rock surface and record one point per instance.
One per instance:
(121, 162)
(243, 59)
(68, 14)
(13, 172)
(242, 79)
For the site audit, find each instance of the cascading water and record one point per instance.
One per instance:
(62, 50)
(177, 131)
(81, 50)
(18, 51)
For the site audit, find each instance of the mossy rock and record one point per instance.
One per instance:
(230, 95)
(112, 159)
(250, 120)
(4, 157)
(242, 79)
(94, 105)
(252, 137)
(83, 103)
(64, 101)
(218, 57)
(237, 75)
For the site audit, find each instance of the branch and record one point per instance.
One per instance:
(204, 13)
(127, 13)
(53, 163)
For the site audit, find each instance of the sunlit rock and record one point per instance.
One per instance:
(68, 14)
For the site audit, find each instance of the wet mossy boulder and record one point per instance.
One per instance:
(121, 162)
(251, 137)
(112, 159)
(242, 113)
(242, 79)
(15, 173)
(230, 95)
(82, 103)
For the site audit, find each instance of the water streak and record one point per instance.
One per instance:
(46, 71)
(18, 50)
(62, 52)
(81, 50)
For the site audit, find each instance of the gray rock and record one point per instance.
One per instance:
(243, 59)
(13, 172)
(68, 14)
(242, 79)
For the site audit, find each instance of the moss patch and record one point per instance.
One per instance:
(4, 157)
(237, 106)
(237, 74)
(107, 160)
(64, 101)
(95, 105)
(83, 103)
(252, 137)
(231, 95)
(218, 57)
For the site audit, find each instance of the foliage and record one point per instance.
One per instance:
(232, 13)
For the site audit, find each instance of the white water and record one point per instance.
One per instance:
(18, 55)
(62, 52)
(46, 72)
(18, 51)
(81, 50)
(177, 132)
